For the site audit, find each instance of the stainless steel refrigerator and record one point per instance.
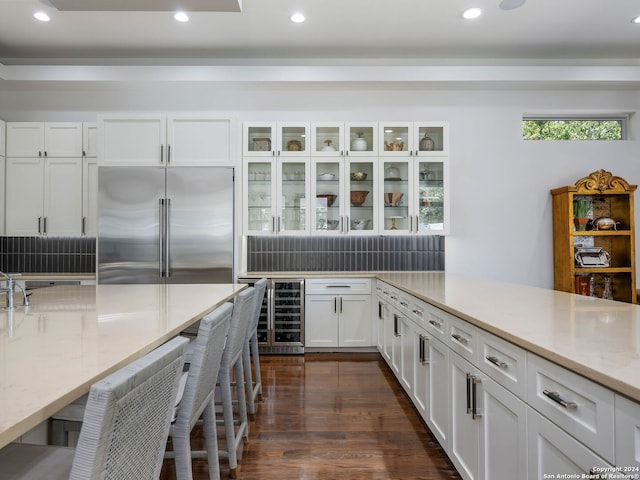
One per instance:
(165, 225)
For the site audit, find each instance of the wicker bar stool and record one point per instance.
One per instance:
(253, 381)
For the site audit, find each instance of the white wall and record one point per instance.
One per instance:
(500, 201)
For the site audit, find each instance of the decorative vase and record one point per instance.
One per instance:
(359, 144)
(427, 143)
(580, 224)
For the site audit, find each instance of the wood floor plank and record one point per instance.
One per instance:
(333, 416)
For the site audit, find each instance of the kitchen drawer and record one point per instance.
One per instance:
(581, 407)
(418, 312)
(463, 339)
(503, 361)
(627, 413)
(338, 286)
(437, 323)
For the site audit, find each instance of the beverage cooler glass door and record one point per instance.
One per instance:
(288, 313)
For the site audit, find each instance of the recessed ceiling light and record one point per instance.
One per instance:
(181, 16)
(471, 13)
(636, 20)
(297, 18)
(43, 17)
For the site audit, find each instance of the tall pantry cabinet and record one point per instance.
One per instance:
(44, 166)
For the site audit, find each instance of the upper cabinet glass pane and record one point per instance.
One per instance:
(362, 139)
(327, 140)
(294, 139)
(259, 140)
(396, 138)
(430, 139)
(431, 196)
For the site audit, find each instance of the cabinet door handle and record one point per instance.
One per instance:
(168, 154)
(340, 304)
(395, 325)
(423, 349)
(273, 224)
(474, 397)
(335, 304)
(278, 231)
(380, 317)
(555, 396)
(44, 225)
(460, 338)
(342, 153)
(468, 393)
(45, 153)
(39, 225)
(39, 153)
(496, 362)
(84, 221)
(161, 153)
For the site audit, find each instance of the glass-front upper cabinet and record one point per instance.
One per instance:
(345, 198)
(270, 139)
(361, 139)
(414, 196)
(396, 139)
(402, 139)
(327, 139)
(259, 197)
(276, 196)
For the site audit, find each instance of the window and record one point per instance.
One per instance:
(567, 127)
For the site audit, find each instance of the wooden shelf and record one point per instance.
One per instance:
(610, 196)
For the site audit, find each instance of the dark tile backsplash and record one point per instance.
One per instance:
(319, 254)
(47, 255)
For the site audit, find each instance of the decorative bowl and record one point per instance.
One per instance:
(294, 145)
(605, 223)
(326, 176)
(330, 197)
(360, 224)
(392, 199)
(358, 176)
(332, 224)
(358, 197)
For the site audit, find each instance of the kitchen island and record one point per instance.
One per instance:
(52, 351)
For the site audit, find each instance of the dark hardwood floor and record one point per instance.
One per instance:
(333, 416)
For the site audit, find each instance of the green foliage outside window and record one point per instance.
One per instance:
(572, 129)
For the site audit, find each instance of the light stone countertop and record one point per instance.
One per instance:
(72, 336)
(599, 339)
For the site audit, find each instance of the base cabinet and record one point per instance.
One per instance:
(627, 437)
(551, 451)
(336, 317)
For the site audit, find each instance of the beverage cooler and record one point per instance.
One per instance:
(281, 324)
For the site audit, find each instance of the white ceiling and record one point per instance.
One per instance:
(418, 31)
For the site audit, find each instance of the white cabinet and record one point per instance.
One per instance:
(163, 140)
(89, 197)
(488, 425)
(350, 139)
(552, 451)
(276, 196)
(344, 195)
(409, 139)
(2, 193)
(627, 436)
(413, 195)
(438, 393)
(576, 404)
(37, 139)
(272, 139)
(90, 139)
(338, 313)
(44, 197)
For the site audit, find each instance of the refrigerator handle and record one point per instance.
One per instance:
(160, 235)
(167, 237)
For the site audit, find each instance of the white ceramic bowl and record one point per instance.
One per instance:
(360, 224)
(326, 176)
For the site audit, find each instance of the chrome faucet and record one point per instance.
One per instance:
(9, 289)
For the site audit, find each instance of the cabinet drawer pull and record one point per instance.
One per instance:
(418, 312)
(497, 362)
(460, 338)
(394, 297)
(404, 304)
(338, 286)
(555, 396)
(435, 324)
